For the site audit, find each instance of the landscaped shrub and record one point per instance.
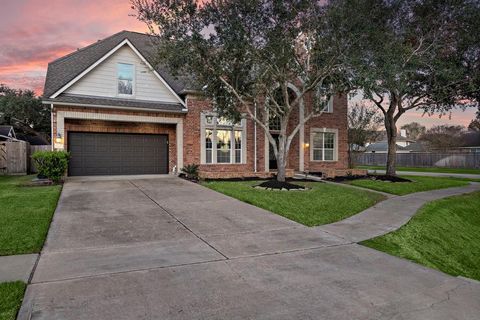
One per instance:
(51, 164)
(191, 171)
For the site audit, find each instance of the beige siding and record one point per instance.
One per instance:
(102, 80)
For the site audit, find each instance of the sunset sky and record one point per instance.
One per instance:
(35, 32)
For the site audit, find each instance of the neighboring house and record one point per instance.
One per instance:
(7, 133)
(33, 140)
(118, 113)
(470, 142)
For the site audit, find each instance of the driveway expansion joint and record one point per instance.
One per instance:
(178, 220)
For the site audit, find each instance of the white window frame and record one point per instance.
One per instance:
(314, 131)
(241, 126)
(123, 95)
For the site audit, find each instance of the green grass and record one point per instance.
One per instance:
(25, 214)
(418, 184)
(322, 204)
(444, 235)
(432, 169)
(11, 295)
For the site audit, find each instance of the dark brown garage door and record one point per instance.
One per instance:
(117, 154)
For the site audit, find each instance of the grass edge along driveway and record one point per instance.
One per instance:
(11, 296)
(323, 203)
(444, 235)
(25, 213)
(418, 184)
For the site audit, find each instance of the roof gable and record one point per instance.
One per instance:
(64, 70)
(100, 79)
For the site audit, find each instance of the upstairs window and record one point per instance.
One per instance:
(125, 77)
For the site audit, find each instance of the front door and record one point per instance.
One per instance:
(272, 163)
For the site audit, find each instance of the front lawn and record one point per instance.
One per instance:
(401, 188)
(323, 203)
(11, 295)
(25, 214)
(431, 169)
(444, 235)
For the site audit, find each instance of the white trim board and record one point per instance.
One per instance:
(62, 115)
(107, 55)
(74, 104)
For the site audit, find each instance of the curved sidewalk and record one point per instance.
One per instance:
(389, 215)
(432, 174)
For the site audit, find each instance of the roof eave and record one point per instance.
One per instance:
(94, 105)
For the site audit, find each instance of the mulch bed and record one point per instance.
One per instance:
(371, 177)
(348, 178)
(277, 185)
(389, 178)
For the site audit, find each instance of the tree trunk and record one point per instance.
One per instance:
(281, 159)
(350, 156)
(391, 129)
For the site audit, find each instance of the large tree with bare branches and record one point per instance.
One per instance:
(413, 54)
(258, 58)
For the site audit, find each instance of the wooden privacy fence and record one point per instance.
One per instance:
(15, 157)
(422, 159)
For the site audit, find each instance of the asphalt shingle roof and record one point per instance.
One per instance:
(6, 130)
(65, 69)
(116, 102)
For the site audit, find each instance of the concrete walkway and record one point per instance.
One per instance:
(169, 249)
(389, 215)
(431, 174)
(17, 267)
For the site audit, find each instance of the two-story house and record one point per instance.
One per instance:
(118, 113)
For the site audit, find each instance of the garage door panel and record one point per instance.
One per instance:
(116, 154)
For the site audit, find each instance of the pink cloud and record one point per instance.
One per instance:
(35, 33)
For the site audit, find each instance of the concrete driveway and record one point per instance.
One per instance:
(165, 248)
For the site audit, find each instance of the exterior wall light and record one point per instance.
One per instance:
(59, 138)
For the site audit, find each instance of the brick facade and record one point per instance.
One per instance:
(192, 137)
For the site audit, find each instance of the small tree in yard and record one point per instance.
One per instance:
(255, 57)
(363, 124)
(421, 54)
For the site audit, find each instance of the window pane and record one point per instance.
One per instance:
(223, 139)
(208, 156)
(238, 139)
(223, 146)
(125, 78)
(318, 140)
(317, 154)
(223, 156)
(329, 140)
(238, 156)
(328, 154)
(208, 139)
(274, 123)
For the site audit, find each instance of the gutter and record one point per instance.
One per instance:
(51, 126)
(73, 104)
(255, 138)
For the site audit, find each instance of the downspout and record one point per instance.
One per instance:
(51, 126)
(255, 138)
